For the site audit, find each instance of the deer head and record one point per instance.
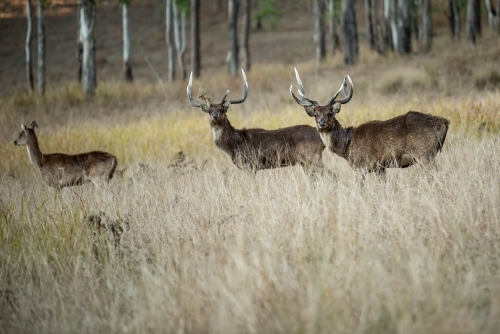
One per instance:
(217, 111)
(24, 135)
(324, 115)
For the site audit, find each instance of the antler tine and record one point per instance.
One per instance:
(348, 96)
(302, 91)
(245, 90)
(330, 102)
(189, 93)
(224, 97)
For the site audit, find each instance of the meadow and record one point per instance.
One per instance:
(207, 247)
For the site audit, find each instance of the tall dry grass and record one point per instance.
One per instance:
(212, 249)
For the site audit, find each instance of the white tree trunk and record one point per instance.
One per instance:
(87, 19)
(29, 68)
(195, 38)
(127, 66)
(41, 48)
(425, 26)
(233, 36)
(245, 34)
(180, 37)
(170, 42)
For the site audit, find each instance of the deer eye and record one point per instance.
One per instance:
(330, 114)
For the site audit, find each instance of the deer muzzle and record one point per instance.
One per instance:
(321, 124)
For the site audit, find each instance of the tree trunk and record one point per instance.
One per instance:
(370, 23)
(393, 21)
(233, 36)
(425, 26)
(245, 34)
(195, 38)
(493, 15)
(331, 26)
(387, 31)
(215, 6)
(87, 20)
(180, 37)
(170, 41)
(477, 17)
(350, 32)
(319, 32)
(29, 68)
(127, 66)
(454, 19)
(79, 43)
(41, 47)
(404, 25)
(470, 26)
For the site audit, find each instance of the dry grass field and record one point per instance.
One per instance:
(206, 247)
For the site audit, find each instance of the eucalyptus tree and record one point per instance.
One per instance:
(170, 40)
(319, 32)
(232, 59)
(127, 66)
(454, 17)
(470, 22)
(493, 15)
(87, 13)
(349, 32)
(41, 5)
(195, 38)
(180, 9)
(245, 33)
(332, 33)
(425, 31)
(404, 27)
(29, 67)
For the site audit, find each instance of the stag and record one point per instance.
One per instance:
(399, 142)
(257, 149)
(62, 170)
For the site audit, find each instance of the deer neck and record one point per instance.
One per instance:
(337, 139)
(34, 153)
(225, 136)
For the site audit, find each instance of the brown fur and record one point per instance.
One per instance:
(376, 145)
(62, 170)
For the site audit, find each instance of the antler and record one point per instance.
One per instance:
(189, 93)
(347, 96)
(243, 96)
(304, 101)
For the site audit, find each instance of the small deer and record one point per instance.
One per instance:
(62, 170)
(257, 149)
(376, 145)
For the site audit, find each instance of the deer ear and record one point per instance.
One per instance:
(23, 127)
(204, 107)
(226, 104)
(309, 110)
(34, 125)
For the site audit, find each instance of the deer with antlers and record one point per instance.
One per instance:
(256, 149)
(62, 170)
(399, 142)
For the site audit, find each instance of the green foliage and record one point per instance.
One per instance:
(268, 13)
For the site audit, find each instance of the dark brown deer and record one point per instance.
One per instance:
(376, 145)
(62, 170)
(257, 149)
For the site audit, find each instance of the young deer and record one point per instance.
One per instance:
(376, 145)
(257, 149)
(63, 170)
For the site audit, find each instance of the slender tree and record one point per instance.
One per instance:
(195, 38)
(371, 26)
(404, 26)
(41, 47)
(180, 35)
(127, 66)
(29, 67)
(245, 33)
(170, 41)
(319, 32)
(79, 41)
(470, 26)
(477, 17)
(493, 15)
(233, 6)
(350, 32)
(332, 34)
(425, 32)
(87, 21)
(454, 18)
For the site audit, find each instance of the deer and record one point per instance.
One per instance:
(400, 142)
(257, 149)
(60, 170)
